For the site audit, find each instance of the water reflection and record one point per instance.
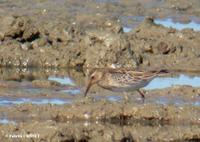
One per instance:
(64, 80)
(72, 84)
(131, 22)
(6, 121)
(72, 92)
(127, 29)
(176, 25)
(114, 98)
(5, 101)
(165, 82)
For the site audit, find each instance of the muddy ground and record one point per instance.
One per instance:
(62, 34)
(170, 114)
(71, 33)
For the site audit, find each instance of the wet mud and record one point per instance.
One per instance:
(47, 47)
(52, 103)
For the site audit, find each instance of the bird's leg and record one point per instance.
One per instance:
(126, 98)
(141, 94)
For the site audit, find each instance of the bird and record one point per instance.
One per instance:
(121, 79)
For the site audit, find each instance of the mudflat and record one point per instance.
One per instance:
(47, 46)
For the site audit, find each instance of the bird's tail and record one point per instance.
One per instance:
(164, 71)
(160, 72)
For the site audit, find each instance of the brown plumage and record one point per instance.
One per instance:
(121, 80)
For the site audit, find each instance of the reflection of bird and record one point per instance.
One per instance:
(121, 80)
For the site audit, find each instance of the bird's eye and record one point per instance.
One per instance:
(92, 77)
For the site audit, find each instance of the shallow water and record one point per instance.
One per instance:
(75, 84)
(7, 101)
(62, 80)
(165, 82)
(131, 22)
(6, 121)
(168, 22)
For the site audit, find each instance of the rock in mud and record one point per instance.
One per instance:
(106, 48)
(163, 48)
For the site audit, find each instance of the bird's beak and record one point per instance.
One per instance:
(88, 87)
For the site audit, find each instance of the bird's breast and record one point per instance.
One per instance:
(121, 87)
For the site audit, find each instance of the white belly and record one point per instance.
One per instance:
(125, 88)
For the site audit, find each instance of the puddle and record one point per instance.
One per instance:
(6, 121)
(161, 83)
(111, 98)
(114, 98)
(40, 101)
(127, 29)
(72, 92)
(168, 22)
(23, 92)
(197, 103)
(50, 91)
(64, 80)
(130, 22)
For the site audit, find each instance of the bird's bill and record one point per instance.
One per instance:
(88, 88)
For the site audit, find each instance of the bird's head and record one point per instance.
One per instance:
(94, 77)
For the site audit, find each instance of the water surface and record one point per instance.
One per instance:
(131, 22)
(7, 101)
(169, 23)
(73, 90)
(62, 80)
(6, 121)
(165, 82)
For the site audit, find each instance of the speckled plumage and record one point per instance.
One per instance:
(121, 80)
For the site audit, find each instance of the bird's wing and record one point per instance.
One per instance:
(131, 76)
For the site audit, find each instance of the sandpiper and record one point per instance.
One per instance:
(121, 80)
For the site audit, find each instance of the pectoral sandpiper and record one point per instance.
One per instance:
(121, 80)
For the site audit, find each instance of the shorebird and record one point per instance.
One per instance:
(121, 80)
